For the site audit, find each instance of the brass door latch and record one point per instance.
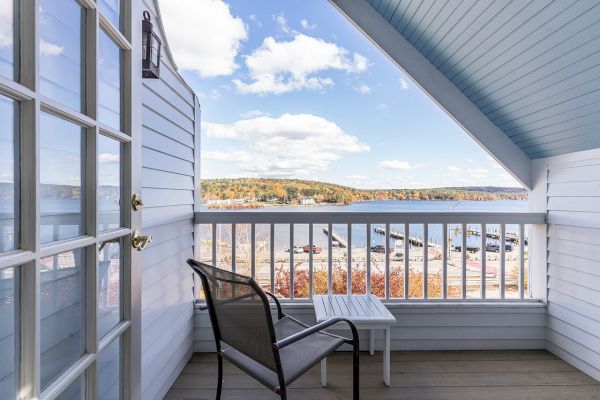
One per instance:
(139, 242)
(136, 202)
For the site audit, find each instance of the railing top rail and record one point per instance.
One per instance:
(343, 217)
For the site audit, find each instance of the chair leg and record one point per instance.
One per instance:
(355, 375)
(282, 393)
(220, 382)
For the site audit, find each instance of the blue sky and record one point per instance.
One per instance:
(292, 89)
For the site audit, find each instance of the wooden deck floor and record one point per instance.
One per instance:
(460, 375)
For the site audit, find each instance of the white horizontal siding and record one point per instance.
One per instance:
(168, 181)
(435, 327)
(573, 202)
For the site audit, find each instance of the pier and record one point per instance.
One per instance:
(334, 236)
(412, 240)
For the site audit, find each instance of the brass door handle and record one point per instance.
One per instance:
(138, 241)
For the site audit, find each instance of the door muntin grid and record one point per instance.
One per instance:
(31, 104)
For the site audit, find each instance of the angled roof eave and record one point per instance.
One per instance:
(443, 92)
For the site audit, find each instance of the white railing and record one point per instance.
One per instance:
(298, 254)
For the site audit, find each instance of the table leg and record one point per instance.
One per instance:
(324, 372)
(372, 342)
(386, 357)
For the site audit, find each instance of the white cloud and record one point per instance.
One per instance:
(403, 84)
(364, 89)
(381, 107)
(50, 49)
(306, 25)
(452, 168)
(204, 36)
(280, 67)
(108, 158)
(282, 23)
(254, 114)
(254, 19)
(394, 165)
(6, 23)
(479, 171)
(292, 144)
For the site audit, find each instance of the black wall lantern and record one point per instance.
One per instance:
(150, 49)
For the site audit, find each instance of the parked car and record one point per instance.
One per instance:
(379, 249)
(315, 249)
(399, 257)
(297, 249)
(492, 247)
(470, 249)
(495, 247)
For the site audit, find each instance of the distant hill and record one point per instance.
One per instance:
(290, 191)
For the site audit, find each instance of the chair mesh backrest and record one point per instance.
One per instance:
(240, 311)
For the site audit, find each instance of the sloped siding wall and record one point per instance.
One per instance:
(168, 180)
(573, 203)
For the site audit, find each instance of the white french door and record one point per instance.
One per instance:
(69, 166)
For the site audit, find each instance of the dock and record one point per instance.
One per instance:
(510, 237)
(336, 237)
(398, 235)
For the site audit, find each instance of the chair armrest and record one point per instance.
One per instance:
(316, 328)
(280, 313)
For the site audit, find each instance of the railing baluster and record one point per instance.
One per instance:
(233, 238)
(272, 250)
(425, 259)
(444, 260)
(214, 245)
(368, 258)
(349, 261)
(406, 260)
(521, 261)
(292, 261)
(464, 261)
(329, 259)
(502, 260)
(310, 261)
(253, 250)
(483, 261)
(387, 260)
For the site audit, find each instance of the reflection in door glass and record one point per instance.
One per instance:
(61, 313)
(109, 184)
(9, 295)
(110, 274)
(8, 170)
(60, 179)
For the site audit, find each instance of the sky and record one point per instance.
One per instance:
(291, 89)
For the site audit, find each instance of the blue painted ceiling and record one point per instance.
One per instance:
(532, 66)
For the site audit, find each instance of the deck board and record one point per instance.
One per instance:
(523, 374)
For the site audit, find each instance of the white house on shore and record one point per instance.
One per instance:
(100, 178)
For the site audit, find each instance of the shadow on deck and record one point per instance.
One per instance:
(460, 375)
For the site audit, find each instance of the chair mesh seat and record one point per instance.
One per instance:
(296, 358)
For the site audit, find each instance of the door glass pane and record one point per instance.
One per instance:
(61, 31)
(74, 391)
(109, 372)
(9, 295)
(8, 170)
(111, 9)
(109, 82)
(61, 312)
(61, 197)
(109, 184)
(109, 286)
(7, 49)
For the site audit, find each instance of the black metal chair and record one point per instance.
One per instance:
(273, 352)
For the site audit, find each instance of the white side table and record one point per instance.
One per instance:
(366, 312)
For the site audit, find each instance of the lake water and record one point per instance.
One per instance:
(359, 235)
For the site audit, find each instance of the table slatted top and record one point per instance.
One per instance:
(359, 308)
